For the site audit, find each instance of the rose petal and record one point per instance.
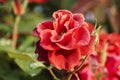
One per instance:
(59, 26)
(79, 18)
(90, 27)
(45, 25)
(115, 61)
(42, 53)
(65, 41)
(71, 24)
(72, 39)
(46, 42)
(75, 21)
(82, 36)
(88, 49)
(60, 13)
(64, 59)
(61, 16)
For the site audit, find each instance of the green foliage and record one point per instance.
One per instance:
(26, 62)
(67, 4)
(28, 22)
(5, 30)
(7, 6)
(26, 44)
(116, 3)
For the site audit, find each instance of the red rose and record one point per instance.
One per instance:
(64, 39)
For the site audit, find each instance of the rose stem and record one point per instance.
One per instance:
(76, 75)
(103, 58)
(81, 65)
(52, 73)
(70, 75)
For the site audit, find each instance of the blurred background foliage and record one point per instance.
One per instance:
(21, 63)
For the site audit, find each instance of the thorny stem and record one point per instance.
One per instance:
(70, 75)
(82, 63)
(52, 73)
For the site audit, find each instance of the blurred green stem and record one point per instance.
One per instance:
(52, 73)
(24, 6)
(104, 54)
(103, 58)
(15, 32)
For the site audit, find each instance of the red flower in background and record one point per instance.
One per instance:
(92, 69)
(38, 1)
(17, 7)
(114, 44)
(113, 41)
(63, 40)
(2, 1)
(112, 65)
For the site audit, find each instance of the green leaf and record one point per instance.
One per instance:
(24, 65)
(24, 60)
(21, 56)
(37, 65)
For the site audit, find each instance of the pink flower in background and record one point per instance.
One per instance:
(64, 39)
(92, 69)
(114, 44)
(113, 68)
